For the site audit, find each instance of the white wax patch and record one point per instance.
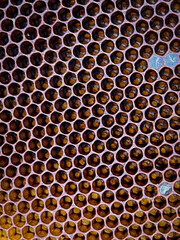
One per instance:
(171, 60)
(165, 189)
(156, 62)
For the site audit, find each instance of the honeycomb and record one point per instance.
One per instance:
(89, 119)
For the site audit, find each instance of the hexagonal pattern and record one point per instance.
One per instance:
(89, 119)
